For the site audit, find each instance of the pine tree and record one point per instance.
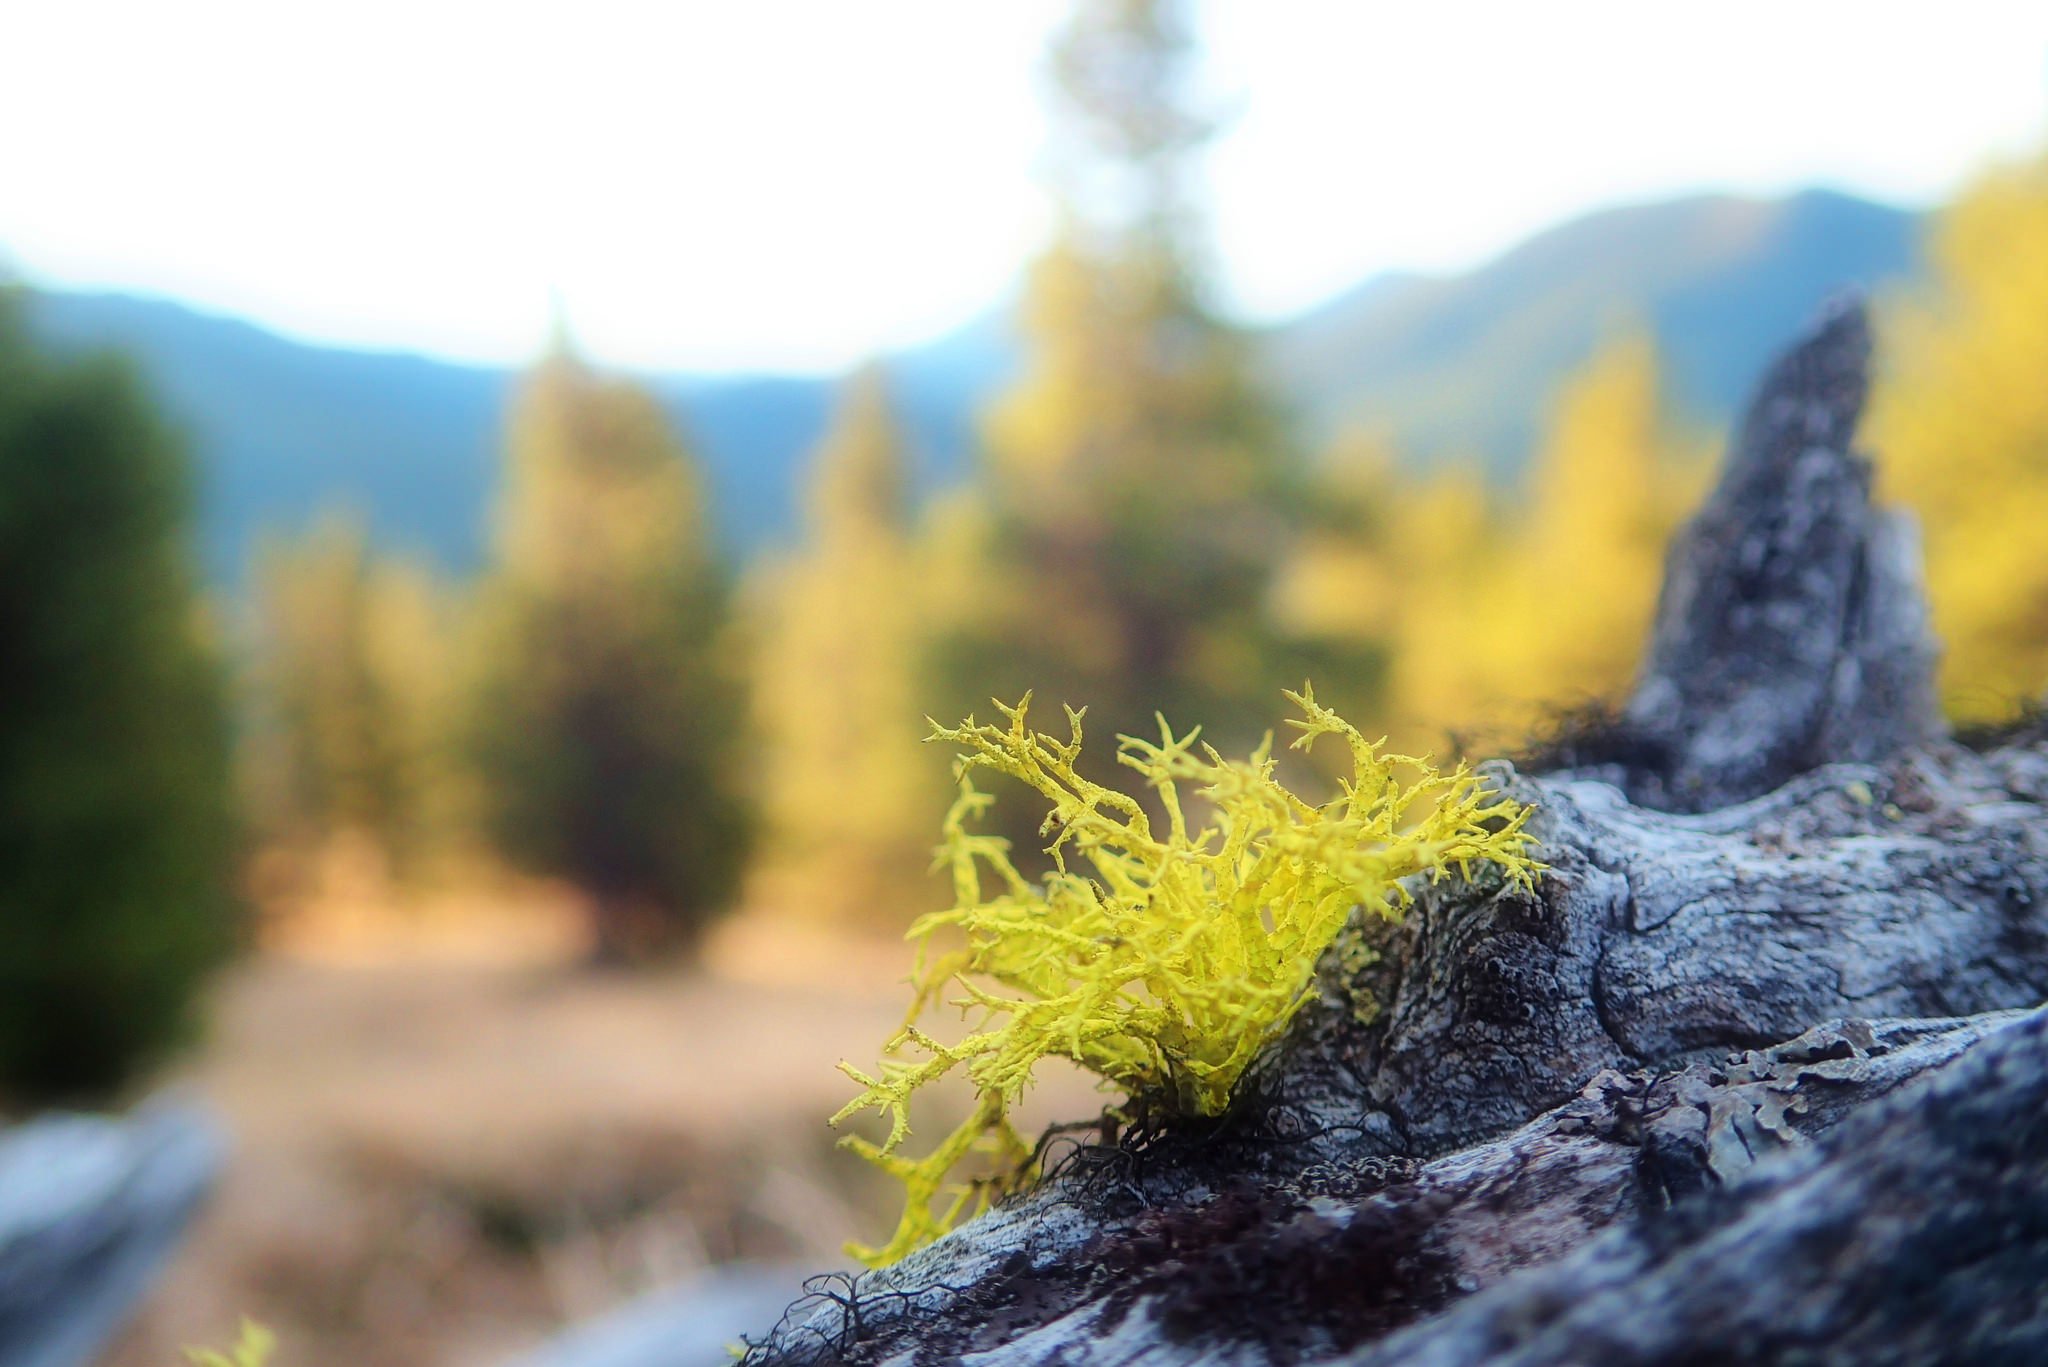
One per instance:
(1135, 479)
(1511, 616)
(353, 729)
(1447, 550)
(1604, 493)
(609, 722)
(1338, 592)
(114, 803)
(1494, 613)
(1960, 431)
(849, 795)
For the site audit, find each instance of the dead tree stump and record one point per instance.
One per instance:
(1754, 1074)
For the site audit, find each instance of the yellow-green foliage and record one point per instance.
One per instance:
(1165, 961)
(252, 1349)
(1960, 428)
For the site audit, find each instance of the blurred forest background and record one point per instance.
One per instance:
(442, 694)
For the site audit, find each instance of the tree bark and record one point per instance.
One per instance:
(1752, 1074)
(90, 1208)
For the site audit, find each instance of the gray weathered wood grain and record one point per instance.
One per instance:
(89, 1209)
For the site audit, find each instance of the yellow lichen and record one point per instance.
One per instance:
(1164, 961)
(252, 1349)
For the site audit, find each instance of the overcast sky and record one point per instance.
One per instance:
(791, 184)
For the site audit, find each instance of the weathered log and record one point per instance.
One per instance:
(1916, 1232)
(1312, 1267)
(693, 1321)
(1776, 894)
(89, 1209)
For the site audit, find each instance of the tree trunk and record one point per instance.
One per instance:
(1752, 1075)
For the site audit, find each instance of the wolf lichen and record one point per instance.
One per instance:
(252, 1349)
(1163, 960)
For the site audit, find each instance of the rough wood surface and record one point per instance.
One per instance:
(1916, 1232)
(1791, 630)
(89, 1210)
(1584, 1120)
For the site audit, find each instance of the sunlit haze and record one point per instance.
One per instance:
(788, 185)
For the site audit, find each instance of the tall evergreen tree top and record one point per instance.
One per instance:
(609, 716)
(859, 480)
(1132, 124)
(1139, 480)
(594, 462)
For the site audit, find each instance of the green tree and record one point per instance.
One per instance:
(115, 832)
(1137, 479)
(353, 727)
(850, 797)
(609, 720)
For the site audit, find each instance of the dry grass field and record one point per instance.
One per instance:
(445, 1151)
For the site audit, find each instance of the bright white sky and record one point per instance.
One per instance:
(791, 184)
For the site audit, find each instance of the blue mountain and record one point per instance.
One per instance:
(1467, 364)
(1458, 364)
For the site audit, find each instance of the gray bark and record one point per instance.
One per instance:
(89, 1210)
(1791, 629)
(1714, 1090)
(1916, 1232)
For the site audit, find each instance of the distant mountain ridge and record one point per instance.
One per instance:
(1463, 364)
(285, 429)
(1467, 365)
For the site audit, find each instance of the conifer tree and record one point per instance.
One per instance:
(353, 718)
(1492, 611)
(1134, 479)
(1960, 432)
(1455, 566)
(1511, 615)
(849, 795)
(114, 805)
(1338, 592)
(609, 719)
(1604, 493)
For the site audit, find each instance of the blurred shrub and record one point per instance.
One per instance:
(114, 804)
(609, 718)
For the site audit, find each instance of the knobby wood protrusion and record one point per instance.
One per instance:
(1792, 630)
(1776, 894)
